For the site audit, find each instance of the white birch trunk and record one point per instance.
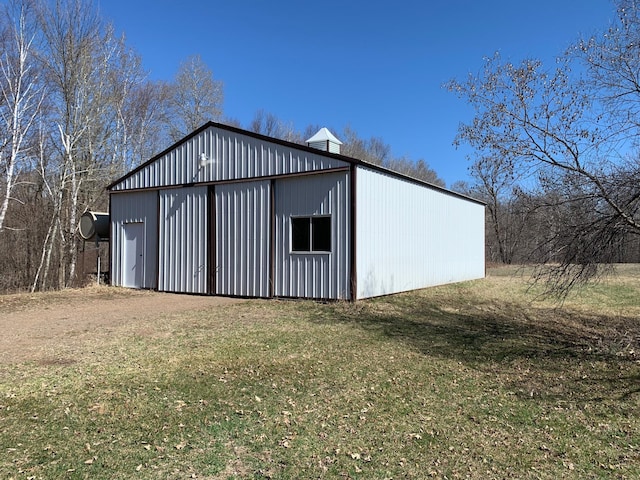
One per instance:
(21, 100)
(7, 192)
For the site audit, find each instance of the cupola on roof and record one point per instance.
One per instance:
(325, 140)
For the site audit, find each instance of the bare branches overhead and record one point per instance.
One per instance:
(566, 135)
(77, 110)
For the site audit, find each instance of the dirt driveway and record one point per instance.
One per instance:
(34, 326)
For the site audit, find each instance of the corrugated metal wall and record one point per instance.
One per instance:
(230, 156)
(135, 207)
(319, 275)
(183, 240)
(411, 237)
(243, 243)
(408, 236)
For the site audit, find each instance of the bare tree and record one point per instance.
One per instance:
(100, 117)
(507, 214)
(264, 123)
(145, 114)
(563, 126)
(269, 124)
(196, 98)
(374, 150)
(21, 97)
(416, 169)
(90, 75)
(612, 63)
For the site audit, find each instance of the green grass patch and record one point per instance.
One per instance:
(472, 380)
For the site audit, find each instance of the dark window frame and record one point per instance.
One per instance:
(310, 234)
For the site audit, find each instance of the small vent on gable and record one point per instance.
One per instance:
(325, 140)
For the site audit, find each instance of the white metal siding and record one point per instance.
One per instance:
(318, 275)
(183, 240)
(324, 145)
(243, 243)
(410, 236)
(134, 207)
(334, 148)
(231, 156)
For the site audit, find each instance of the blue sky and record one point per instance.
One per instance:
(375, 66)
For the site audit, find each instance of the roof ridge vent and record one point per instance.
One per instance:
(325, 140)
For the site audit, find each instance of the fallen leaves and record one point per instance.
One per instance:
(428, 393)
(98, 408)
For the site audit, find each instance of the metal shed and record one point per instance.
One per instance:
(229, 212)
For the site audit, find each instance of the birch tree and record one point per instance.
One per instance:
(21, 97)
(91, 75)
(76, 111)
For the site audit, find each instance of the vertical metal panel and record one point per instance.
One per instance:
(243, 239)
(183, 240)
(317, 275)
(134, 207)
(410, 236)
(229, 156)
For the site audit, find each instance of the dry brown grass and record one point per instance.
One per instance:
(475, 380)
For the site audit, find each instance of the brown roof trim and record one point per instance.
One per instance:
(285, 143)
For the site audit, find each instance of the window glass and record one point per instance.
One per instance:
(321, 234)
(300, 234)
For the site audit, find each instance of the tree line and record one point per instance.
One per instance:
(555, 147)
(556, 154)
(78, 110)
(372, 150)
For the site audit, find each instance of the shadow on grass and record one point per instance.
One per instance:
(544, 351)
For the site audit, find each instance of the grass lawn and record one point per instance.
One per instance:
(474, 380)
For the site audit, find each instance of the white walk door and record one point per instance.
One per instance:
(133, 265)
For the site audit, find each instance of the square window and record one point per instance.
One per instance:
(311, 234)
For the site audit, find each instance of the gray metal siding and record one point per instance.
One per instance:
(317, 275)
(231, 156)
(410, 236)
(134, 207)
(243, 243)
(183, 242)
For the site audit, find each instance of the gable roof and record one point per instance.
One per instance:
(301, 147)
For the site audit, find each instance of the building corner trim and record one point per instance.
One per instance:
(353, 274)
